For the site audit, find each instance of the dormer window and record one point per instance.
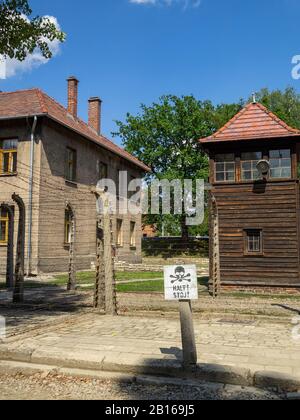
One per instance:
(281, 164)
(225, 168)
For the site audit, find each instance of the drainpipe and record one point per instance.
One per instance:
(30, 196)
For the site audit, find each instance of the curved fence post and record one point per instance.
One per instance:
(72, 272)
(18, 294)
(10, 247)
(105, 287)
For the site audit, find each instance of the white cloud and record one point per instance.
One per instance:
(10, 67)
(185, 3)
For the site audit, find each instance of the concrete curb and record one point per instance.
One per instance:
(224, 374)
(129, 367)
(280, 381)
(293, 396)
(29, 369)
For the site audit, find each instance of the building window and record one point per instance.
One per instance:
(248, 166)
(119, 232)
(71, 163)
(68, 226)
(8, 157)
(225, 168)
(103, 170)
(4, 224)
(135, 182)
(280, 164)
(132, 234)
(253, 241)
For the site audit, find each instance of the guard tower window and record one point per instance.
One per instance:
(281, 164)
(253, 242)
(225, 168)
(248, 166)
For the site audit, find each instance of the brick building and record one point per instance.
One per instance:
(51, 159)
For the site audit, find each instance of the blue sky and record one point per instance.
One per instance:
(129, 53)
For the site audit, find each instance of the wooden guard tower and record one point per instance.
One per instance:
(258, 211)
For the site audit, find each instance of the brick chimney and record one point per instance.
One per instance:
(95, 114)
(72, 95)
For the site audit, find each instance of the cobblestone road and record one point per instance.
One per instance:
(255, 345)
(56, 324)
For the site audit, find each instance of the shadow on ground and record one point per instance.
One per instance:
(287, 308)
(195, 387)
(41, 306)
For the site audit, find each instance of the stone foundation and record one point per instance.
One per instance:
(262, 289)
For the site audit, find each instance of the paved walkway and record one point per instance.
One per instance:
(90, 337)
(56, 327)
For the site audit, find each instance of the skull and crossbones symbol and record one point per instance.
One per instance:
(180, 276)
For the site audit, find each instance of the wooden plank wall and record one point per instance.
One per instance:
(271, 207)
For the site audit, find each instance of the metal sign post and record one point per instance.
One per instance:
(181, 285)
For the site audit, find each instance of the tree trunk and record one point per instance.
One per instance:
(184, 228)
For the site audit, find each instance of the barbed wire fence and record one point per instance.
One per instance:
(49, 198)
(49, 195)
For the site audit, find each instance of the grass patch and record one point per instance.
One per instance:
(86, 277)
(149, 286)
(138, 275)
(81, 278)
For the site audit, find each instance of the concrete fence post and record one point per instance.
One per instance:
(105, 285)
(18, 294)
(10, 247)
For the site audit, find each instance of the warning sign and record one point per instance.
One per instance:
(181, 282)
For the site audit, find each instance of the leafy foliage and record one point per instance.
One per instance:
(166, 136)
(20, 35)
(285, 104)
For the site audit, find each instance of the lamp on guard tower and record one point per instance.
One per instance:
(263, 167)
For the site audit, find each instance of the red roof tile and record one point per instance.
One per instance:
(252, 122)
(32, 102)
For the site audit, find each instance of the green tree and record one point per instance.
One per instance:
(165, 136)
(285, 104)
(20, 35)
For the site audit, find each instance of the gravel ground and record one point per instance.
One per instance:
(52, 387)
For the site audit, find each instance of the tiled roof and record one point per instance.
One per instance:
(27, 103)
(253, 122)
